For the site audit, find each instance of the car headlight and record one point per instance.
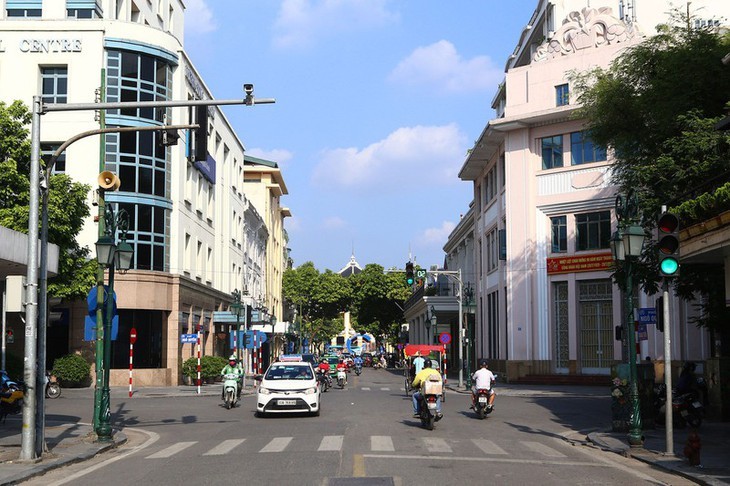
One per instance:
(264, 391)
(310, 391)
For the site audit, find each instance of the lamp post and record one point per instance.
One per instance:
(110, 255)
(430, 322)
(627, 244)
(236, 306)
(468, 297)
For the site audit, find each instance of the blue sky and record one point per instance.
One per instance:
(377, 103)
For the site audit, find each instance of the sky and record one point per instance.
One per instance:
(377, 104)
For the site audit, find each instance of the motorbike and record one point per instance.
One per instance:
(53, 388)
(358, 369)
(230, 390)
(341, 378)
(687, 408)
(324, 380)
(481, 404)
(12, 394)
(428, 403)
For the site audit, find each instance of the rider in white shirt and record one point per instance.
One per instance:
(483, 379)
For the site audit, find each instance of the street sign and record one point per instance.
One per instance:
(227, 316)
(444, 338)
(90, 319)
(132, 336)
(647, 315)
(188, 338)
(421, 273)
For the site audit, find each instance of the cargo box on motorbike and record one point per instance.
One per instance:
(432, 386)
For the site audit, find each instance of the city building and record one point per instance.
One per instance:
(197, 235)
(547, 305)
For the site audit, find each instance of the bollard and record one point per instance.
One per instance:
(692, 448)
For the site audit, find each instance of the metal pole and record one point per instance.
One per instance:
(5, 325)
(104, 432)
(668, 419)
(40, 414)
(27, 446)
(461, 334)
(49, 107)
(635, 438)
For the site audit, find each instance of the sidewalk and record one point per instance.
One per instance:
(74, 442)
(715, 437)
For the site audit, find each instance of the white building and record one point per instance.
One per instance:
(551, 307)
(189, 222)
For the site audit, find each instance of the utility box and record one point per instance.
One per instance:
(15, 293)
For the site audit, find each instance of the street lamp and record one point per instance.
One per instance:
(109, 254)
(430, 322)
(627, 244)
(468, 298)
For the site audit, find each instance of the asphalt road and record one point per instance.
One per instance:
(365, 435)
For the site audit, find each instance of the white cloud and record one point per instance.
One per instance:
(410, 155)
(441, 68)
(198, 17)
(334, 222)
(439, 235)
(301, 22)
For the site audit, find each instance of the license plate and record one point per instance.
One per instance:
(431, 406)
(684, 413)
(482, 399)
(286, 402)
(696, 404)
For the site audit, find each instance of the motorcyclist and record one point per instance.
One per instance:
(233, 367)
(422, 376)
(483, 379)
(324, 370)
(341, 366)
(358, 361)
(686, 381)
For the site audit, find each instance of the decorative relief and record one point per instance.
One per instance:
(588, 28)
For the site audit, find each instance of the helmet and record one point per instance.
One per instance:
(323, 360)
(426, 363)
(232, 359)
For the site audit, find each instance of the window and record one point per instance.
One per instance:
(593, 231)
(583, 150)
(559, 227)
(492, 250)
(489, 186)
(552, 152)
(561, 325)
(24, 8)
(137, 77)
(147, 235)
(83, 9)
(54, 82)
(47, 150)
(562, 95)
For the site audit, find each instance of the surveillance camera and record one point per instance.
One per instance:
(248, 88)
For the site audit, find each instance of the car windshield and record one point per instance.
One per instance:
(289, 372)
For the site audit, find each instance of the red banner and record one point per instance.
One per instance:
(579, 263)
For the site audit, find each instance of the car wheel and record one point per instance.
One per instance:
(260, 414)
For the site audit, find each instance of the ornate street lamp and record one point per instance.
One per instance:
(430, 322)
(628, 242)
(110, 255)
(468, 298)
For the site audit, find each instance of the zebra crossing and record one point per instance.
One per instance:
(376, 444)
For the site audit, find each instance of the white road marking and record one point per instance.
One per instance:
(153, 437)
(542, 449)
(385, 389)
(381, 443)
(224, 447)
(365, 388)
(171, 451)
(542, 462)
(331, 443)
(437, 445)
(488, 447)
(277, 444)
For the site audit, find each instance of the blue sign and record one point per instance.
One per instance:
(90, 319)
(188, 338)
(647, 315)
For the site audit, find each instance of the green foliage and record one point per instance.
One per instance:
(190, 367)
(72, 369)
(211, 366)
(67, 208)
(656, 107)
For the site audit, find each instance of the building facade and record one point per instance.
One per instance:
(550, 307)
(196, 235)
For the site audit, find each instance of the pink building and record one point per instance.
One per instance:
(551, 307)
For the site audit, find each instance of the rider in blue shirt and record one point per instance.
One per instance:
(358, 360)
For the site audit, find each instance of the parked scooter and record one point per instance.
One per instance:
(11, 396)
(53, 388)
(230, 390)
(687, 408)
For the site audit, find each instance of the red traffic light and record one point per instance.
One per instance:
(668, 223)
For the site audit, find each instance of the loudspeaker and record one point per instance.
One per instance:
(109, 181)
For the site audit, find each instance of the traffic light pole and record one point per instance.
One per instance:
(668, 410)
(39, 108)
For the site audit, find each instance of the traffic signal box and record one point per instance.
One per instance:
(410, 276)
(659, 308)
(668, 244)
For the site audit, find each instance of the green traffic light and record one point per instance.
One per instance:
(409, 281)
(669, 266)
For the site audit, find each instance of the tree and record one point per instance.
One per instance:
(656, 107)
(378, 299)
(67, 205)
